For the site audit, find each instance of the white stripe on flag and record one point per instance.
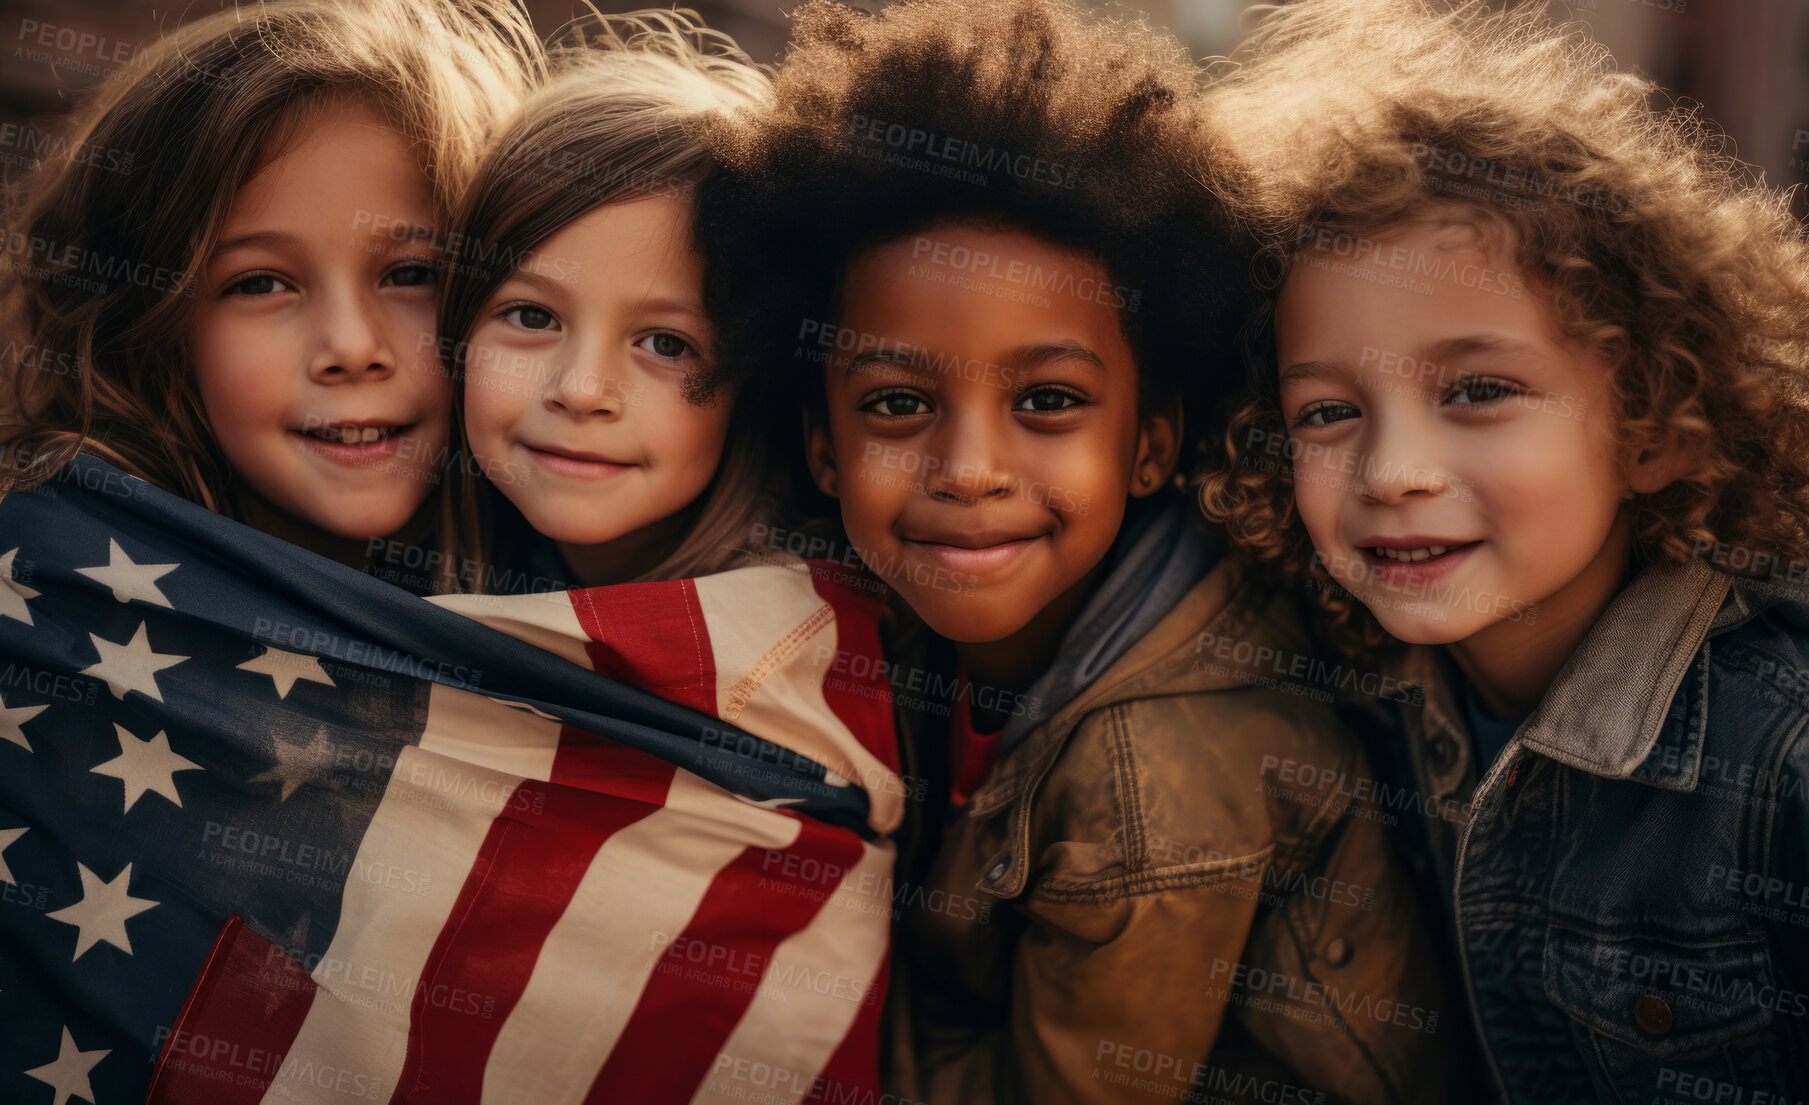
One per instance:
(433, 819)
(636, 898)
(490, 733)
(545, 619)
(806, 1002)
(772, 657)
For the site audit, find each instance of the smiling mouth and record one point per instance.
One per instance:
(972, 559)
(1416, 555)
(354, 435)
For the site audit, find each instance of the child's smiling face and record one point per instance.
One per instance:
(574, 400)
(983, 445)
(313, 342)
(1454, 455)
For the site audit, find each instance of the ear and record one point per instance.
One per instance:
(1657, 467)
(819, 453)
(1158, 449)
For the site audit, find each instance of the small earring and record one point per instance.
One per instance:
(1146, 479)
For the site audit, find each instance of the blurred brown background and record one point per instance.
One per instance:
(1745, 61)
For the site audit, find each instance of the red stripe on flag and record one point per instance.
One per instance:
(591, 763)
(239, 1022)
(858, 660)
(653, 636)
(530, 865)
(707, 978)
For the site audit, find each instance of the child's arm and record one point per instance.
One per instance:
(1110, 999)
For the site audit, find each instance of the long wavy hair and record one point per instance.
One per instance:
(1658, 252)
(97, 359)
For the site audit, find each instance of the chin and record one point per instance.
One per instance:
(367, 525)
(563, 530)
(968, 623)
(1427, 628)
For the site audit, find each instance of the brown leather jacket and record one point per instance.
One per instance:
(1181, 894)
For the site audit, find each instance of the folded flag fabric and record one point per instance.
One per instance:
(274, 830)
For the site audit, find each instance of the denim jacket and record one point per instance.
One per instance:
(1629, 880)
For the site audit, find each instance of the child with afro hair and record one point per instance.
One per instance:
(976, 239)
(1531, 422)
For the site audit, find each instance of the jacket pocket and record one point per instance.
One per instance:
(1661, 997)
(1664, 1020)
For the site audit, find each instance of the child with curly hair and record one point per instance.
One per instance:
(978, 233)
(1533, 402)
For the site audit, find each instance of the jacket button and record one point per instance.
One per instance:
(1653, 1015)
(1337, 953)
(1444, 754)
(999, 869)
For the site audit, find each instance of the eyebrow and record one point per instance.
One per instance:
(1036, 356)
(1305, 370)
(897, 358)
(275, 239)
(415, 230)
(548, 287)
(1452, 348)
(1027, 356)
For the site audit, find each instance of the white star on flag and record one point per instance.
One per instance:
(13, 593)
(69, 1074)
(286, 667)
(12, 722)
(8, 837)
(297, 764)
(147, 765)
(131, 666)
(105, 908)
(130, 581)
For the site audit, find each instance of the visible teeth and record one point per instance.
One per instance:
(352, 435)
(1413, 555)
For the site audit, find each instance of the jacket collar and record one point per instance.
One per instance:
(1640, 653)
(1175, 657)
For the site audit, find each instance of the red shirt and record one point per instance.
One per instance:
(971, 754)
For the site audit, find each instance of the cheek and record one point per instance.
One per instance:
(492, 404)
(692, 436)
(1550, 487)
(238, 372)
(1320, 487)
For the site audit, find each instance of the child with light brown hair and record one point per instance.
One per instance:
(246, 317)
(1530, 419)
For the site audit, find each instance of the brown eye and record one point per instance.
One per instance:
(669, 346)
(1326, 413)
(1049, 400)
(1479, 390)
(262, 283)
(529, 317)
(896, 404)
(411, 276)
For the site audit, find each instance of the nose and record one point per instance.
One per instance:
(965, 462)
(1398, 463)
(581, 387)
(355, 343)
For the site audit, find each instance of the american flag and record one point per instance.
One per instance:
(272, 830)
